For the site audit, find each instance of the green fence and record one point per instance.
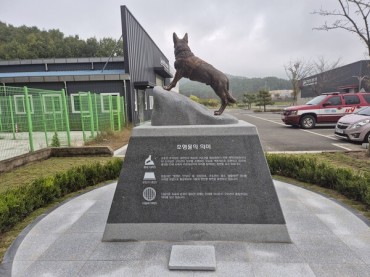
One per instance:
(32, 119)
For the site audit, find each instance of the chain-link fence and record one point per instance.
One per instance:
(32, 119)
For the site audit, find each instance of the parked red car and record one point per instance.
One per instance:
(324, 109)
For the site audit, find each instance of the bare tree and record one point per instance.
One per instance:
(297, 70)
(324, 70)
(352, 16)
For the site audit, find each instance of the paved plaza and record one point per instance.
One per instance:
(327, 240)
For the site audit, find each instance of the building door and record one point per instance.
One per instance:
(141, 105)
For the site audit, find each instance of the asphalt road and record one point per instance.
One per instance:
(275, 136)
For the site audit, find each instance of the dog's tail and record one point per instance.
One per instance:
(230, 98)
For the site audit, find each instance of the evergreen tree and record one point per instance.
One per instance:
(32, 43)
(264, 99)
(249, 99)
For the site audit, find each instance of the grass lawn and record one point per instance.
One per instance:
(355, 160)
(27, 174)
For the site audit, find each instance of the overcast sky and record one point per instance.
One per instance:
(250, 38)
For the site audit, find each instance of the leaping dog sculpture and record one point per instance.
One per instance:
(190, 66)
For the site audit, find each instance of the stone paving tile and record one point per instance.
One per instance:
(292, 205)
(282, 270)
(118, 251)
(155, 268)
(55, 223)
(230, 251)
(100, 207)
(315, 203)
(324, 249)
(103, 193)
(228, 269)
(342, 223)
(53, 268)
(342, 270)
(72, 247)
(157, 251)
(77, 206)
(89, 223)
(274, 252)
(109, 268)
(360, 244)
(34, 245)
(19, 267)
(304, 223)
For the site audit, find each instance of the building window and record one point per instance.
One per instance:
(78, 101)
(105, 102)
(151, 102)
(145, 100)
(52, 103)
(135, 100)
(75, 103)
(351, 99)
(20, 104)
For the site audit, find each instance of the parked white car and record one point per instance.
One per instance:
(355, 127)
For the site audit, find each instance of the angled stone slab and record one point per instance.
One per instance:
(192, 257)
(171, 108)
(196, 182)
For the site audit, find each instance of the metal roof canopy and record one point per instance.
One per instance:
(61, 73)
(163, 72)
(63, 76)
(143, 85)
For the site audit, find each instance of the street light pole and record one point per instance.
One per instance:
(359, 78)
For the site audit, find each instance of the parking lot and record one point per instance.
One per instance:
(275, 136)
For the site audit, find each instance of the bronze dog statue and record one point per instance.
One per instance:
(189, 66)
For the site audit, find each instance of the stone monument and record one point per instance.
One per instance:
(190, 175)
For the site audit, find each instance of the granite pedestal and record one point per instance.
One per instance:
(195, 182)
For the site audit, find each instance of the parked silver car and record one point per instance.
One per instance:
(355, 127)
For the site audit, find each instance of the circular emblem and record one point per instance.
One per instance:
(149, 194)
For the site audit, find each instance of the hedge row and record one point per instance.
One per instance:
(16, 204)
(352, 184)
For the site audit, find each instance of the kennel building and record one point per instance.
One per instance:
(132, 76)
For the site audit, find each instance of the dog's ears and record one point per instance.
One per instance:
(186, 38)
(175, 38)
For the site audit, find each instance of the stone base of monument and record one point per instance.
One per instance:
(195, 182)
(192, 257)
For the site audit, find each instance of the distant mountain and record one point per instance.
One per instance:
(238, 86)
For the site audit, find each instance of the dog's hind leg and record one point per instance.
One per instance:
(224, 103)
(226, 99)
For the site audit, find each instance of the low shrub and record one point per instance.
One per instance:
(307, 169)
(17, 203)
(55, 140)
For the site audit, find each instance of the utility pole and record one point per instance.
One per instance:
(360, 78)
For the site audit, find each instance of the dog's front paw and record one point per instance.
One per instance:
(166, 88)
(217, 113)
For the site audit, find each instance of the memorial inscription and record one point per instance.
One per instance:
(190, 169)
